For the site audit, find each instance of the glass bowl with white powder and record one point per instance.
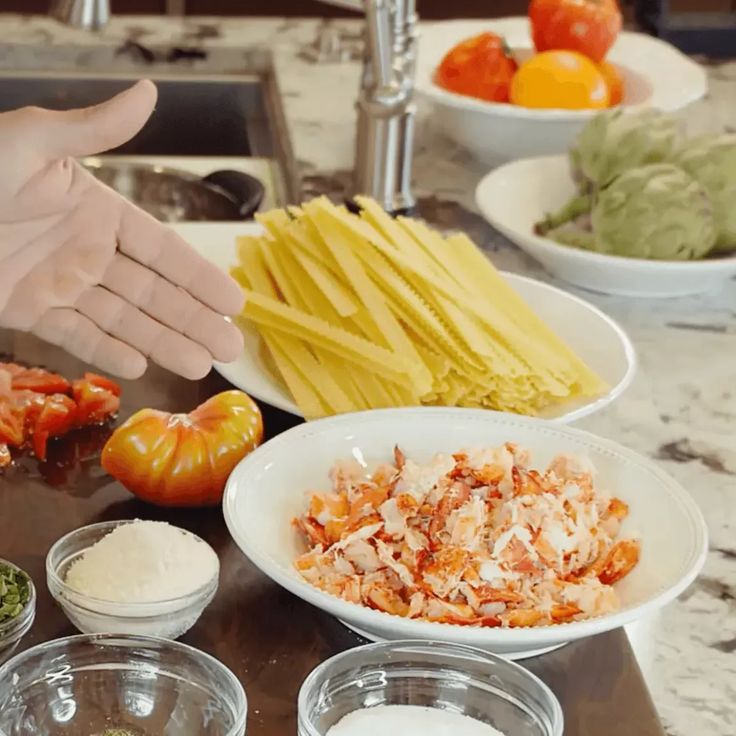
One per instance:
(423, 688)
(145, 578)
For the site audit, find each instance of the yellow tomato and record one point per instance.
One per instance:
(559, 79)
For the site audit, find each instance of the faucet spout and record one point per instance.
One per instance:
(91, 15)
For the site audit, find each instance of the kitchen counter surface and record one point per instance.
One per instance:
(681, 409)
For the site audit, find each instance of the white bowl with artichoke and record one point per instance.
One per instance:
(634, 208)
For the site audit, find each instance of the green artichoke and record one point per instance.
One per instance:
(656, 211)
(617, 140)
(573, 235)
(712, 162)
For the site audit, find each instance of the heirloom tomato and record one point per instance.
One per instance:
(184, 459)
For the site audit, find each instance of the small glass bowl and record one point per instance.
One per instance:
(13, 630)
(455, 678)
(168, 619)
(90, 684)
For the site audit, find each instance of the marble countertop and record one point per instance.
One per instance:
(680, 410)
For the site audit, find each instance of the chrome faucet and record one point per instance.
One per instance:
(385, 105)
(92, 15)
(386, 111)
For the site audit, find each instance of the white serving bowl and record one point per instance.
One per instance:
(655, 75)
(268, 489)
(594, 336)
(514, 197)
(166, 619)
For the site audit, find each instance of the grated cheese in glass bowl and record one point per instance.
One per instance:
(132, 577)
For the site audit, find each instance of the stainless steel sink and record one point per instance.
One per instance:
(198, 115)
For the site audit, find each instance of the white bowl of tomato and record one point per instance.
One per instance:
(516, 87)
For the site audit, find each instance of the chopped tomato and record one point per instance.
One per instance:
(94, 403)
(11, 424)
(36, 405)
(107, 383)
(56, 418)
(39, 380)
(28, 404)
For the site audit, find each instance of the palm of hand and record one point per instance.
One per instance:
(83, 268)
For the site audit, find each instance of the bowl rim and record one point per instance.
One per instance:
(416, 628)
(556, 249)
(66, 595)
(479, 655)
(14, 629)
(6, 669)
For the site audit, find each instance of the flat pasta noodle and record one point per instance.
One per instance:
(282, 353)
(367, 311)
(327, 219)
(283, 318)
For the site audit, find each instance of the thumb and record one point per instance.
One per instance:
(97, 129)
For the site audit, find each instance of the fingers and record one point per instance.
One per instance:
(122, 320)
(173, 307)
(80, 336)
(97, 129)
(149, 242)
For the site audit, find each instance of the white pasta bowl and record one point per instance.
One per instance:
(593, 335)
(514, 197)
(268, 489)
(655, 74)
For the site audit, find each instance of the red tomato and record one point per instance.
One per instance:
(615, 82)
(480, 67)
(94, 403)
(38, 380)
(56, 418)
(589, 27)
(184, 459)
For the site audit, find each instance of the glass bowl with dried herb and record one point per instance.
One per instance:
(117, 685)
(17, 606)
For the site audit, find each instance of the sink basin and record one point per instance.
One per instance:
(238, 116)
(202, 117)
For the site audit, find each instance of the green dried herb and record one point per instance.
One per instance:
(15, 590)
(117, 732)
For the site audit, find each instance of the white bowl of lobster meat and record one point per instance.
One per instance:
(507, 533)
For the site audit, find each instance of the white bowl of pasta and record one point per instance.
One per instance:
(381, 554)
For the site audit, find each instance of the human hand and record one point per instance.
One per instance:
(83, 268)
